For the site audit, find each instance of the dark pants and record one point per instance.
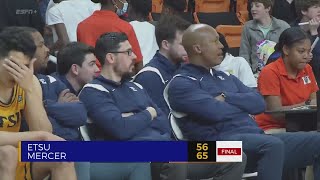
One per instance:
(120, 171)
(172, 171)
(272, 154)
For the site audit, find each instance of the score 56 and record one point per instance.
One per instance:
(203, 148)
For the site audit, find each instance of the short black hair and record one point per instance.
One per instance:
(16, 39)
(143, 7)
(290, 37)
(176, 5)
(167, 27)
(72, 53)
(108, 42)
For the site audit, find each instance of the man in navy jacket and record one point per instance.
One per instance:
(212, 105)
(159, 71)
(76, 66)
(63, 108)
(122, 110)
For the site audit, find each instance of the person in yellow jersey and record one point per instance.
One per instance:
(21, 98)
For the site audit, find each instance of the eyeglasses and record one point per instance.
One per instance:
(129, 52)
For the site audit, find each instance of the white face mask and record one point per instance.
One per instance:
(124, 9)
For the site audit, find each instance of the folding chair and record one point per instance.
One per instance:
(242, 5)
(232, 33)
(243, 16)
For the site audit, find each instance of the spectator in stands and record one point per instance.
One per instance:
(20, 13)
(284, 10)
(122, 110)
(139, 15)
(262, 27)
(76, 66)
(174, 7)
(91, 28)
(159, 71)
(64, 18)
(236, 66)
(309, 12)
(217, 106)
(16, 68)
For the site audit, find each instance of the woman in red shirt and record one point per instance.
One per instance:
(289, 81)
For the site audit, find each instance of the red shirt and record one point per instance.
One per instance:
(104, 21)
(274, 81)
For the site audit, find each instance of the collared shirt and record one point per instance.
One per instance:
(104, 21)
(274, 81)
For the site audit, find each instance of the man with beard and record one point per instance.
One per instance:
(122, 110)
(159, 71)
(65, 112)
(56, 97)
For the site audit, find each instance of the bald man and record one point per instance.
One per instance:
(216, 106)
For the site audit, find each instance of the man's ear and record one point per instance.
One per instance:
(75, 69)
(165, 45)
(197, 48)
(110, 58)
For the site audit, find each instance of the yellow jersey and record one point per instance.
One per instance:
(11, 113)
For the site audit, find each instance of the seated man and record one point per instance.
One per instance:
(236, 66)
(158, 72)
(63, 108)
(21, 98)
(76, 66)
(215, 106)
(122, 110)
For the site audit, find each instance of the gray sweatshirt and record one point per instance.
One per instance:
(252, 34)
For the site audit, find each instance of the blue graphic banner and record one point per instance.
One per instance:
(103, 151)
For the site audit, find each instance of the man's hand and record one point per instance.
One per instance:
(220, 98)
(22, 74)
(127, 114)
(152, 112)
(67, 96)
(314, 25)
(50, 137)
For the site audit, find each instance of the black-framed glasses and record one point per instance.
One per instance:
(129, 52)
